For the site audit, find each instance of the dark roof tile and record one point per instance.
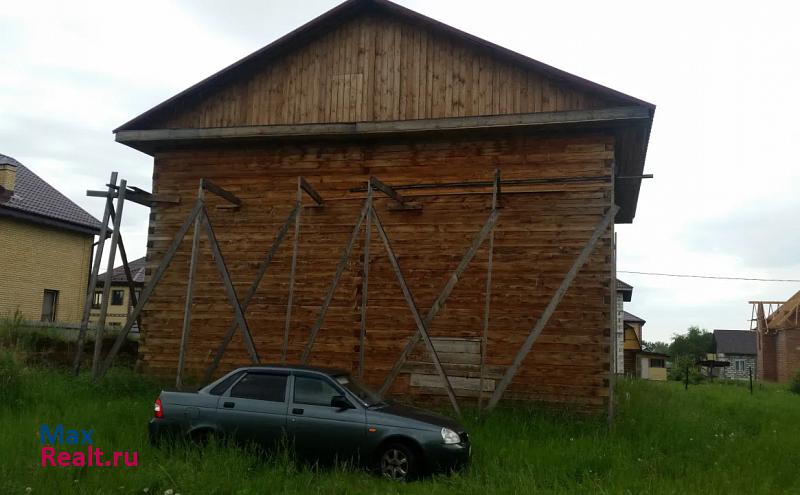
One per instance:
(735, 341)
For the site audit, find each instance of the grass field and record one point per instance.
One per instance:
(711, 439)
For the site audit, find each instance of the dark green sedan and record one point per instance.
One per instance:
(324, 413)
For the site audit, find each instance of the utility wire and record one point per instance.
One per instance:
(681, 275)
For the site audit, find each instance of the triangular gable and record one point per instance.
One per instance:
(372, 60)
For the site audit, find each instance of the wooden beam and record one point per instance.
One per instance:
(222, 193)
(362, 334)
(524, 120)
(412, 306)
(230, 290)
(287, 325)
(312, 193)
(488, 293)
(151, 285)
(443, 295)
(87, 306)
(377, 185)
(262, 270)
(187, 308)
(537, 329)
(138, 196)
(332, 289)
(112, 254)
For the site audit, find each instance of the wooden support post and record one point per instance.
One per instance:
(187, 308)
(87, 306)
(262, 270)
(112, 254)
(293, 269)
(443, 295)
(332, 289)
(362, 335)
(151, 285)
(488, 297)
(222, 193)
(309, 189)
(230, 290)
(601, 228)
(412, 305)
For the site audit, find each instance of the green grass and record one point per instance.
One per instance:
(711, 439)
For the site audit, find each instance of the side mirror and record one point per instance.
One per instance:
(340, 402)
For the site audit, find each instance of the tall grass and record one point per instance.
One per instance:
(709, 439)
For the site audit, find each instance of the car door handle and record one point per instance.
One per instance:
(229, 405)
(297, 410)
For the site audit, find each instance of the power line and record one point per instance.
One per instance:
(683, 275)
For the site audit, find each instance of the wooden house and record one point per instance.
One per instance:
(371, 89)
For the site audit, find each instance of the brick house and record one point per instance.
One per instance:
(779, 341)
(120, 304)
(738, 347)
(45, 248)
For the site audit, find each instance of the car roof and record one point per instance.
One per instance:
(296, 367)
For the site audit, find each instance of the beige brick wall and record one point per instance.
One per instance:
(36, 257)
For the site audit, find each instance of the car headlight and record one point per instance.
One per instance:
(449, 436)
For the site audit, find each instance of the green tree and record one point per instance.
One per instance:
(695, 343)
(657, 346)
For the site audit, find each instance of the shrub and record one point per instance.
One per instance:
(10, 379)
(794, 385)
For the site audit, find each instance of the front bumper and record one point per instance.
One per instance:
(448, 457)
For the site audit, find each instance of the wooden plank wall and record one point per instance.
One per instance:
(540, 233)
(375, 68)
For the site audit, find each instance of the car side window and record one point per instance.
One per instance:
(225, 384)
(313, 391)
(261, 386)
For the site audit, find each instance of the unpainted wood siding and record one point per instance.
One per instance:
(540, 233)
(375, 68)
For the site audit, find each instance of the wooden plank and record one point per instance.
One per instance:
(551, 306)
(309, 189)
(412, 306)
(376, 184)
(488, 297)
(362, 334)
(187, 309)
(222, 193)
(293, 269)
(443, 295)
(332, 289)
(87, 305)
(459, 382)
(148, 290)
(262, 270)
(112, 254)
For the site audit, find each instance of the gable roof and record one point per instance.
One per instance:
(346, 11)
(631, 318)
(787, 316)
(118, 277)
(735, 341)
(37, 201)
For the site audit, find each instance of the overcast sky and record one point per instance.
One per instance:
(724, 145)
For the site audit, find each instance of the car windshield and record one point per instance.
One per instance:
(367, 396)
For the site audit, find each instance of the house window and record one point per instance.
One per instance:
(117, 296)
(98, 298)
(739, 365)
(657, 363)
(49, 305)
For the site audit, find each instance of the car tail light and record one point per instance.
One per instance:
(158, 409)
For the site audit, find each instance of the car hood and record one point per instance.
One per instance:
(407, 416)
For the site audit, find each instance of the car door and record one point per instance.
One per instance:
(254, 409)
(318, 429)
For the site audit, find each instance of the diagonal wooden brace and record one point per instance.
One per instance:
(551, 306)
(412, 305)
(443, 295)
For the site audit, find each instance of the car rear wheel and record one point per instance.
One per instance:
(397, 462)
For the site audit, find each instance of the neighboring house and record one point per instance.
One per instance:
(373, 89)
(45, 248)
(779, 341)
(652, 366)
(739, 348)
(120, 302)
(624, 294)
(632, 328)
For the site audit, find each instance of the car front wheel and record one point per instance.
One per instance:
(397, 462)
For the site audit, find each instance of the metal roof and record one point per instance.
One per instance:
(631, 318)
(35, 200)
(735, 341)
(118, 274)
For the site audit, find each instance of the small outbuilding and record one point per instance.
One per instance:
(463, 200)
(739, 348)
